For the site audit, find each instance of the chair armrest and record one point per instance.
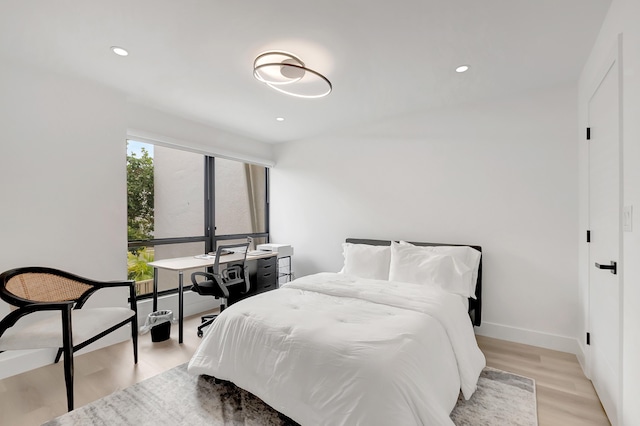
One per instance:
(13, 317)
(126, 283)
(211, 277)
(97, 285)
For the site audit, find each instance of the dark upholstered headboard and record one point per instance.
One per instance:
(475, 305)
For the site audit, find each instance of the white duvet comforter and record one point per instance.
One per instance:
(332, 349)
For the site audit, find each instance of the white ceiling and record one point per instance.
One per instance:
(193, 58)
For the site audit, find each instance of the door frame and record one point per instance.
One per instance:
(614, 58)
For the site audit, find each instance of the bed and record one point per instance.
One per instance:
(353, 347)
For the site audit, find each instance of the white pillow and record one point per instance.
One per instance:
(420, 265)
(366, 261)
(467, 255)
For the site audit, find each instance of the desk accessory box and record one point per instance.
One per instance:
(281, 250)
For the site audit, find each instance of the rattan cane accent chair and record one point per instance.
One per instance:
(54, 301)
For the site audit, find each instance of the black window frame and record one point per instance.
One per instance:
(209, 238)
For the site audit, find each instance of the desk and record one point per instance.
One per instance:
(181, 264)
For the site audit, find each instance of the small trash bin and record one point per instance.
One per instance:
(159, 322)
(161, 332)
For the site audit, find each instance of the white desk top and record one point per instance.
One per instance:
(190, 262)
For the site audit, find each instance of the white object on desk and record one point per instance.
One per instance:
(204, 256)
(281, 250)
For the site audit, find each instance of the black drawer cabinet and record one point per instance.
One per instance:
(266, 275)
(263, 276)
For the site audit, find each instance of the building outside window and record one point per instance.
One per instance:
(182, 204)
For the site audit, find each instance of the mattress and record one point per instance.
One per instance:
(333, 349)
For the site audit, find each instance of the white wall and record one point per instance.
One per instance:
(501, 175)
(146, 124)
(63, 178)
(622, 19)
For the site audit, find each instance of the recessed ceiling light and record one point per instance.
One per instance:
(119, 51)
(462, 68)
(279, 118)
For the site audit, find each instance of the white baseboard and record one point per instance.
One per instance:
(529, 337)
(16, 362)
(582, 358)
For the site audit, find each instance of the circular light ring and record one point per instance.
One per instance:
(289, 89)
(286, 73)
(277, 60)
(462, 68)
(274, 53)
(262, 71)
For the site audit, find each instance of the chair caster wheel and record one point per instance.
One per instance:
(200, 333)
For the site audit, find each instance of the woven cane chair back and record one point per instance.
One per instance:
(43, 287)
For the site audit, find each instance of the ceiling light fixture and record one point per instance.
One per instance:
(279, 118)
(119, 51)
(462, 68)
(286, 73)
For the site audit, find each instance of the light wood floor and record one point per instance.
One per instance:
(565, 396)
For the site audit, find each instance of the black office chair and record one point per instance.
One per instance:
(215, 284)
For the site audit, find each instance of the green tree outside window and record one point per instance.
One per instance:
(140, 196)
(140, 221)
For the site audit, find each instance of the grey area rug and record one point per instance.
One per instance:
(177, 398)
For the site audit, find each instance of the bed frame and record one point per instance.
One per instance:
(475, 305)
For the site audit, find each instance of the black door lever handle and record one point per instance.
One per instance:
(613, 267)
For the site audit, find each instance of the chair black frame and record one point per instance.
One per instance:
(26, 307)
(217, 281)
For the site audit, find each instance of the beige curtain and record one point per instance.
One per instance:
(256, 187)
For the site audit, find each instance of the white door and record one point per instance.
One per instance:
(604, 248)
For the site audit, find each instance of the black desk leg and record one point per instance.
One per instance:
(180, 302)
(155, 289)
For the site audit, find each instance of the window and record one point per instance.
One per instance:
(175, 198)
(240, 202)
(179, 193)
(240, 198)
